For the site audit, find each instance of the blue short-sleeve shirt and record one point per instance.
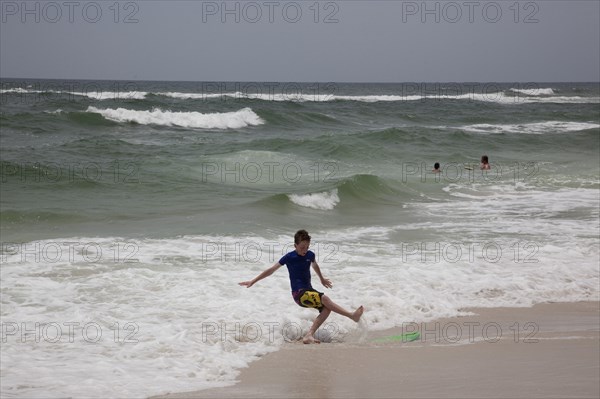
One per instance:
(299, 269)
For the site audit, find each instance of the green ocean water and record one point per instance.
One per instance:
(68, 170)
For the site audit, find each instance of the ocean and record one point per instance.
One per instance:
(131, 210)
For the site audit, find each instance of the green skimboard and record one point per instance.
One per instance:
(408, 337)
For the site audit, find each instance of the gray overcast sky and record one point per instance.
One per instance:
(326, 41)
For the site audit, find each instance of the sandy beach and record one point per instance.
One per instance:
(547, 351)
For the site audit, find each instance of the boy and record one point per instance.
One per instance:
(298, 263)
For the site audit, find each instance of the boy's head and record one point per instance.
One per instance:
(301, 242)
(484, 159)
(436, 165)
(301, 235)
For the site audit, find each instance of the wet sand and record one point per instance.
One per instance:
(547, 351)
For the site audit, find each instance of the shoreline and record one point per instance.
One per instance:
(548, 350)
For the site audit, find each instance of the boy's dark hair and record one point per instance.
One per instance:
(484, 158)
(301, 235)
(436, 165)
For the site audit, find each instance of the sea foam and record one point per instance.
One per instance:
(324, 201)
(531, 128)
(520, 96)
(225, 120)
(534, 92)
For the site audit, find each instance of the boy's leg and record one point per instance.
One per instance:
(309, 338)
(328, 307)
(329, 304)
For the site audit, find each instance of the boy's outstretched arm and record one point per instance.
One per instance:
(325, 281)
(264, 274)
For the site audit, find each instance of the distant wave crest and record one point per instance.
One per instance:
(535, 92)
(225, 120)
(510, 96)
(532, 128)
(325, 201)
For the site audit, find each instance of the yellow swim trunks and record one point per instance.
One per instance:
(308, 299)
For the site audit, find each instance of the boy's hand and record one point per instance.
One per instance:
(248, 284)
(326, 283)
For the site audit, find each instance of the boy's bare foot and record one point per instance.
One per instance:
(357, 314)
(309, 339)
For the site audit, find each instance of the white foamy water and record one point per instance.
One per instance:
(521, 96)
(224, 120)
(493, 97)
(108, 95)
(19, 90)
(91, 310)
(324, 201)
(95, 95)
(496, 97)
(194, 96)
(532, 128)
(535, 92)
